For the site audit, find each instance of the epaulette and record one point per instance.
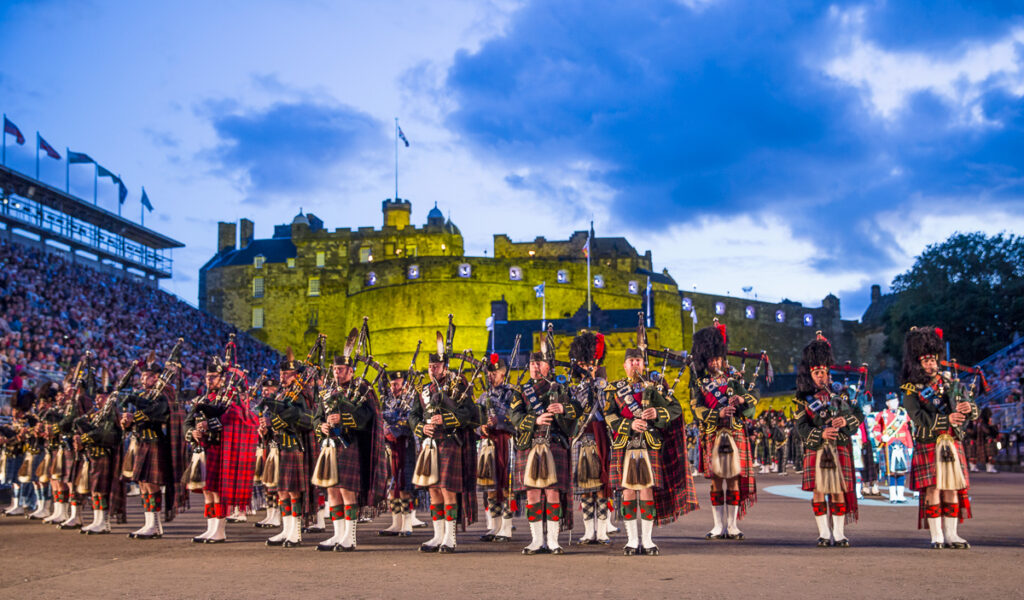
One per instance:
(909, 388)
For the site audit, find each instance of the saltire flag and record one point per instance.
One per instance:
(539, 290)
(79, 157)
(11, 128)
(401, 135)
(122, 192)
(45, 147)
(586, 248)
(104, 172)
(145, 200)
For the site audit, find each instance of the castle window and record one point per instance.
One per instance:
(563, 276)
(465, 270)
(290, 262)
(687, 304)
(515, 274)
(314, 287)
(599, 281)
(257, 287)
(389, 249)
(749, 312)
(257, 317)
(371, 278)
(719, 308)
(410, 251)
(808, 320)
(780, 316)
(258, 260)
(365, 254)
(634, 287)
(321, 259)
(413, 272)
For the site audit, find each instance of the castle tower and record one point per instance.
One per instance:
(396, 213)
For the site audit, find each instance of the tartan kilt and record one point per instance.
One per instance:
(707, 447)
(72, 464)
(213, 463)
(449, 464)
(923, 465)
(292, 476)
(597, 431)
(971, 448)
(402, 464)
(845, 466)
(349, 476)
(153, 463)
(615, 473)
(502, 447)
(101, 469)
(870, 471)
(563, 470)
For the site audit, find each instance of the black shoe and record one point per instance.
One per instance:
(274, 544)
(385, 533)
(64, 527)
(627, 551)
(823, 543)
(530, 552)
(442, 549)
(220, 541)
(558, 550)
(313, 529)
(198, 540)
(100, 532)
(287, 544)
(652, 551)
(236, 521)
(487, 537)
(841, 543)
(265, 526)
(961, 545)
(937, 546)
(321, 547)
(607, 542)
(501, 539)
(155, 536)
(737, 537)
(428, 548)
(714, 536)
(585, 542)
(340, 548)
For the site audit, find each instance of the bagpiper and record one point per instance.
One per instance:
(39, 475)
(289, 420)
(398, 400)
(156, 455)
(494, 458)
(591, 458)
(648, 460)
(100, 438)
(444, 418)
(222, 431)
(827, 421)
(892, 430)
(74, 462)
(15, 458)
(267, 452)
(721, 403)
(544, 416)
(940, 406)
(352, 462)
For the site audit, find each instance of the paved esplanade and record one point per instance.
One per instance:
(889, 559)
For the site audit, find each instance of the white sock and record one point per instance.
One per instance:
(935, 527)
(552, 537)
(588, 529)
(218, 532)
(602, 529)
(822, 523)
(506, 528)
(646, 528)
(449, 534)
(632, 539)
(536, 535)
(438, 533)
(838, 522)
(732, 511)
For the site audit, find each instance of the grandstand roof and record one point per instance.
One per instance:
(22, 185)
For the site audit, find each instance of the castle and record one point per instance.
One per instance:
(307, 280)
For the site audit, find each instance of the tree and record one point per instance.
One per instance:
(971, 285)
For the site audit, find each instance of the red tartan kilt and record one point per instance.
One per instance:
(707, 447)
(72, 463)
(100, 471)
(349, 476)
(292, 476)
(618, 455)
(922, 465)
(153, 464)
(563, 471)
(449, 463)
(845, 465)
(213, 463)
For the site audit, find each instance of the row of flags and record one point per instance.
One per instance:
(73, 158)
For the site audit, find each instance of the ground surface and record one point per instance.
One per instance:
(777, 560)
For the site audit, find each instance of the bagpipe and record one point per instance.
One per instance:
(425, 473)
(133, 402)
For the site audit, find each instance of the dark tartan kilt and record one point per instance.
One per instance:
(563, 470)
(349, 476)
(100, 472)
(987, 451)
(971, 448)
(449, 463)
(870, 471)
(403, 463)
(153, 463)
(922, 465)
(618, 455)
(212, 452)
(72, 463)
(292, 476)
(707, 447)
(845, 466)
(599, 433)
(502, 448)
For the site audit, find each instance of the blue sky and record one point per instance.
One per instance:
(800, 148)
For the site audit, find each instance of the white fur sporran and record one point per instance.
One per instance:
(828, 479)
(637, 473)
(725, 464)
(426, 472)
(82, 482)
(25, 471)
(271, 468)
(325, 472)
(128, 463)
(949, 473)
(485, 465)
(195, 480)
(540, 466)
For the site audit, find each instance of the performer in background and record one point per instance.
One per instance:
(494, 457)
(267, 452)
(398, 400)
(592, 451)
(544, 417)
(722, 403)
(987, 440)
(444, 418)
(940, 406)
(827, 420)
(79, 401)
(892, 430)
(100, 438)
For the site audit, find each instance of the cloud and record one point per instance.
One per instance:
(745, 107)
(291, 147)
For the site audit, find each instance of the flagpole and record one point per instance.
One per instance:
(95, 182)
(544, 307)
(5, 140)
(648, 301)
(37, 155)
(590, 251)
(67, 170)
(396, 159)
(119, 195)
(142, 210)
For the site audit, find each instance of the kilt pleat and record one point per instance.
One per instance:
(153, 463)
(349, 476)
(100, 473)
(292, 474)
(619, 455)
